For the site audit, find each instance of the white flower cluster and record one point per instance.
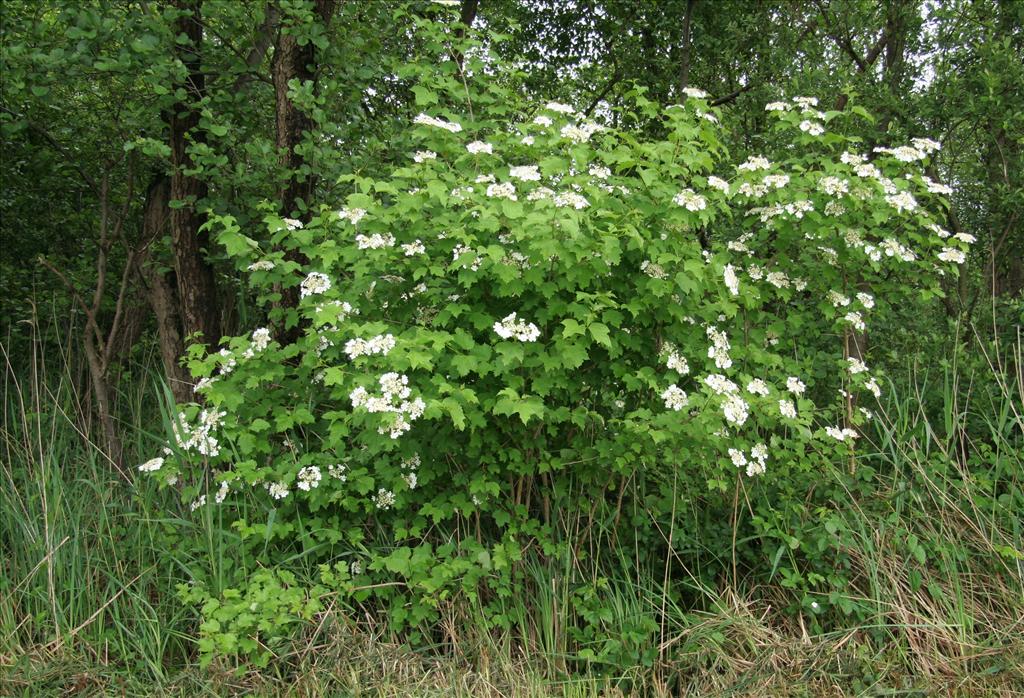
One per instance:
(384, 499)
(292, 223)
(511, 327)
(655, 271)
(812, 128)
(152, 465)
(599, 171)
(315, 283)
(902, 201)
(505, 190)
(731, 280)
(525, 173)
(756, 464)
(199, 437)
(719, 184)
(277, 490)
(720, 385)
(674, 360)
(856, 365)
(309, 478)
(437, 123)
(834, 186)
(381, 344)
(544, 120)
(580, 133)
(409, 466)
(261, 265)
(754, 163)
(571, 200)
(375, 241)
(735, 410)
(460, 250)
(787, 409)
(903, 153)
(352, 215)
(477, 147)
(841, 434)
(394, 399)
(953, 255)
(412, 249)
(719, 349)
(795, 385)
(675, 398)
(690, 200)
(424, 155)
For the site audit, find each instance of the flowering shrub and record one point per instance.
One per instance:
(524, 316)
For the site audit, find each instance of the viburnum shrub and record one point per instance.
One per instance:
(528, 312)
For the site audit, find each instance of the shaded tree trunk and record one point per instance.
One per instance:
(196, 286)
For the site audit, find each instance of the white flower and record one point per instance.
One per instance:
(872, 386)
(527, 173)
(315, 283)
(903, 201)
(867, 300)
(338, 471)
(777, 279)
(754, 163)
(812, 128)
(355, 567)
(837, 299)
(856, 365)
(292, 224)
(201, 501)
(833, 186)
(849, 158)
(527, 140)
(718, 183)
(806, 102)
(511, 327)
(600, 171)
(437, 123)
(505, 190)
(966, 237)
(477, 147)
(277, 490)
(855, 319)
(776, 180)
(414, 248)
(560, 108)
(787, 409)
(757, 387)
(951, 254)
(676, 362)
(571, 200)
(655, 271)
(675, 398)
(261, 265)
(424, 155)
(309, 478)
(222, 492)
(719, 384)
(795, 385)
(152, 465)
(543, 120)
(384, 499)
(447, 3)
(376, 241)
(739, 459)
(694, 92)
(841, 434)
(735, 410)
(937, 187)
(925, 145)
(260, 339)
(731, 281)
(776, 106)
(580, 134)
(690, 200)
(352, 215)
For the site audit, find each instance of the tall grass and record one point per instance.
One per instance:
(92, 557)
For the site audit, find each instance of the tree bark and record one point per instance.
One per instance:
(684, 61)
(197, 289)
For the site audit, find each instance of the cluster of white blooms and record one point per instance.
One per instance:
(292, 223)
(855, 319)
(198, 502)
(776, 181)
(338, 471)
(797, 209)
(309, 478)
(261, 265)
(526, 173)
(437, 123)
(460, 250)
(277, 490)
(731, 281)
(965, 237)
(559, 107)
(571, 200)
(580, 133)
(675, 398)
(511, 327)
(735, 410)
(777, 279)
(199, 437)
(856, 365)
(757, 387)
(412, 249)
(675, 361)
(222, 492)
(902, 201)
(936, 187)
(314, 283)
(837, 299)
(872, 386)
(756, 464)
(505, 190)
(260, 339)
(834, 186)
(787, 409)
(925, 145)
(719, 184)
(352, 215)
(694, 92)
(951, 254)
(777, 106)
(384, 499)
(376, 241)
(600, 171)
(795, 385)
(152, 465)
(424, 155)
(381, 344)
(893, 248)
(719, 349)
(394, 399)
(477, 147)
(691, 200)
(719, 384)
(903, 153)
(655, 271)
(812, 128)
(543, 120)
(866, 299)
(841, 434)
(754, 163)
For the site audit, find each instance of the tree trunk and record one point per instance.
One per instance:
(684, 62)
(197, 290)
